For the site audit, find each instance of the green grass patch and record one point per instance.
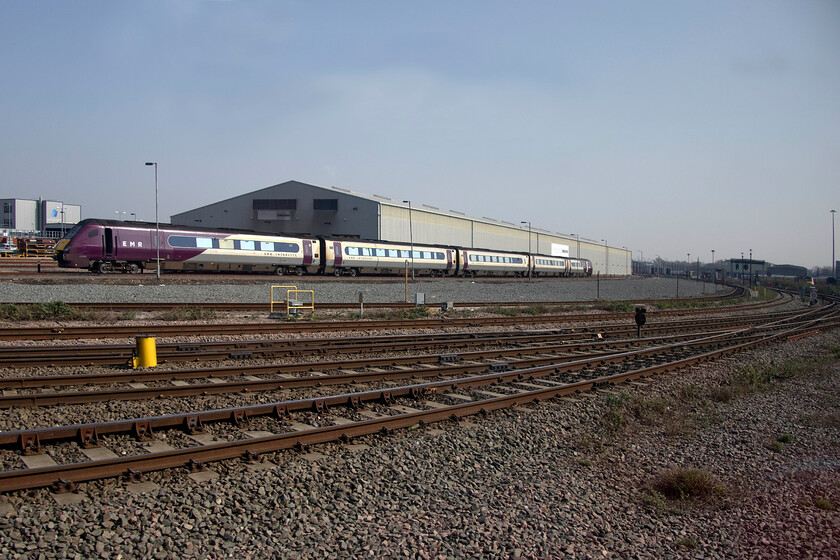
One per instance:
(187, 314)
(52, 311)
(824, 504)
(756, 377)
(688, 542)
(775, 446)
(688, 483)
(616, 306)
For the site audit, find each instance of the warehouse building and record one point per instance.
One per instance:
(42, 218)
(295, 208)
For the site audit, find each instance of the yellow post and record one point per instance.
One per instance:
(146, 352)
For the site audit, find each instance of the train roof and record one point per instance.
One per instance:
(151, 225)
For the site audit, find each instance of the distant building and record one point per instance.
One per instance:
(41, 218)
(743, 268)
(295, 208)
(787, 270)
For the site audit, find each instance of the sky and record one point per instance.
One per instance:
(665, 127)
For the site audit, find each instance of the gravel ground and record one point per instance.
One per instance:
(545, 484)
(93, 289)
(571, 479)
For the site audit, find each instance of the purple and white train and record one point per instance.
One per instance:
(114, 246)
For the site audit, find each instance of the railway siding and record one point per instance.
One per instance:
(487, 488)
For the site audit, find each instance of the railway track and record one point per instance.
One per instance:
(298, 326)
(122, 354)
(277, 377)
(734, 293)
(378, 403)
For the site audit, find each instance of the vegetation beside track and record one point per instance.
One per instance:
(52, 311)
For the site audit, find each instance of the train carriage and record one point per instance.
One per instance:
(366, 257)
(550, 266)
(108, 245)
(480, 262)
(577, 267)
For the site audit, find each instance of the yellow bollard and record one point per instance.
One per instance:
(146, 352)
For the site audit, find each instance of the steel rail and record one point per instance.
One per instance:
(71, 432)
(285, 383)
(148, 375)
(121, 354)
(275, 384)
(66, 476)
(118, 331)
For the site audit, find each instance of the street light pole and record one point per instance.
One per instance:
(529, 249)
(157, 223)
(751, 268)
(714, 267)
(688, 255)
(410, 236)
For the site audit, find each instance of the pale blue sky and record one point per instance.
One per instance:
(670, 127)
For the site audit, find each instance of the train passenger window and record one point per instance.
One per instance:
(181, 241)
(226, 244)
(266, 245)
(351, 251)
(247, 245)
(381, 252)
(203, 242)
(286, 247)
(367, 252)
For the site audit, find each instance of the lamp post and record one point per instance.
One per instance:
(119, 214)
(578, 245)
(157, 223)
(714, 267)
(688, 259)
(410, 236)
(134, 216)
(751, 268)
(833, 261)
(529, 249)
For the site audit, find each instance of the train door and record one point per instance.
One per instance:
(108, 245)
(307, 252)
(337, 251)
(449, 259)
(465, 262)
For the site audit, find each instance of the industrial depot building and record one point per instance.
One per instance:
(293, 208)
